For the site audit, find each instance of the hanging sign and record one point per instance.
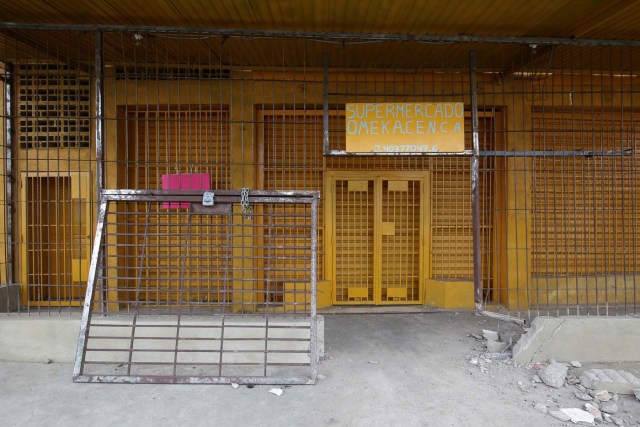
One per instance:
(405, 127)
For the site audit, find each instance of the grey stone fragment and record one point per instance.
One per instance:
(578, 415)
(609, 407)
(536, 379)
(600, 395)
(576, 364)
(510, 337)
(496, 346)
(573, 381)
(553, 374)
(540, 407)
(636, 392)
(559, 415)
(617, 421)
(497, 356)
(593, 410)
(583, 396)
(587, 378)
(490, 335)
(617, 381)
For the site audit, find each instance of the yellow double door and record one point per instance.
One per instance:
(377, 230)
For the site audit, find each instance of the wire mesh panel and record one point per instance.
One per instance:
(538, 214)
(402, 212)
(214, 313)
(565, 173)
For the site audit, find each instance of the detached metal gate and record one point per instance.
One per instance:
(161, 307)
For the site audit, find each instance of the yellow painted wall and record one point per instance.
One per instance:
(249, 92)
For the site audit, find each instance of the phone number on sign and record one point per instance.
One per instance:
(404, 149)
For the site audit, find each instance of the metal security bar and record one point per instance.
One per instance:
(538, 215)
(236, 301)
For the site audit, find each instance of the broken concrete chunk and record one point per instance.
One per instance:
(276, 391)
(600, 395)
(510, 337)
(636, 392)
(559, 415)
(578, 415)
(576, 364)
(536, 379)
(593, 410)
(553, 374)
(617, 421)
(587, 378)
(541, 407)
(609, 407)
(616, 381)
(573, 381)
(490, 335)
(496, 346)
(583, 396)
(497, 356)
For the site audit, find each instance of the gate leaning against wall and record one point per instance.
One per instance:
(538, 214)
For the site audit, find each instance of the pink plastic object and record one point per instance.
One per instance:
(187, 181)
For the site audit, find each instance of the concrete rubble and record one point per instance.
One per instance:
(595, 390)
(617, 381)
(593, 410)
(554, 374)
(576, 415)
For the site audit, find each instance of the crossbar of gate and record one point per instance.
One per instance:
(197, 315)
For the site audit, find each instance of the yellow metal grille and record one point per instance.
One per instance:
(401, 239)
(54, 107)
(292, 159)
(584, 207)
(181, 141)
(57, 232)
(354, 241)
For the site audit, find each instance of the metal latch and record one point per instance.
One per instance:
(208, 198)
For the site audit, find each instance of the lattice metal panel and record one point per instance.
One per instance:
(204, 317)
(54, 106)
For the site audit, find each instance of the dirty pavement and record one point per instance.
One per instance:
(408, 369)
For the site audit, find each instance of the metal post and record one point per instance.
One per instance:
(314, 265)
(8, 152)
(99, 113)
(99, 134)
(325, 103)
(475, 192)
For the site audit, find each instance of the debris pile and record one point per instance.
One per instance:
(585, 396)
(597, 390)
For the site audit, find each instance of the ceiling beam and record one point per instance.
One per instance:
(332, 36)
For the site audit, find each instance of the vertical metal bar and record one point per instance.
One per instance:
(94, 273)
(99, 112)
(313, 345)
(475, 199)
(8, 150)
(325, 102)
(99, 133)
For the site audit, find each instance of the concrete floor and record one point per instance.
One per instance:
(420, 377)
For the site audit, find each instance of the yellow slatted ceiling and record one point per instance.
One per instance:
(566, 18)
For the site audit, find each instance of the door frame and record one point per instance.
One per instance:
(80, 184)
(425, 226)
